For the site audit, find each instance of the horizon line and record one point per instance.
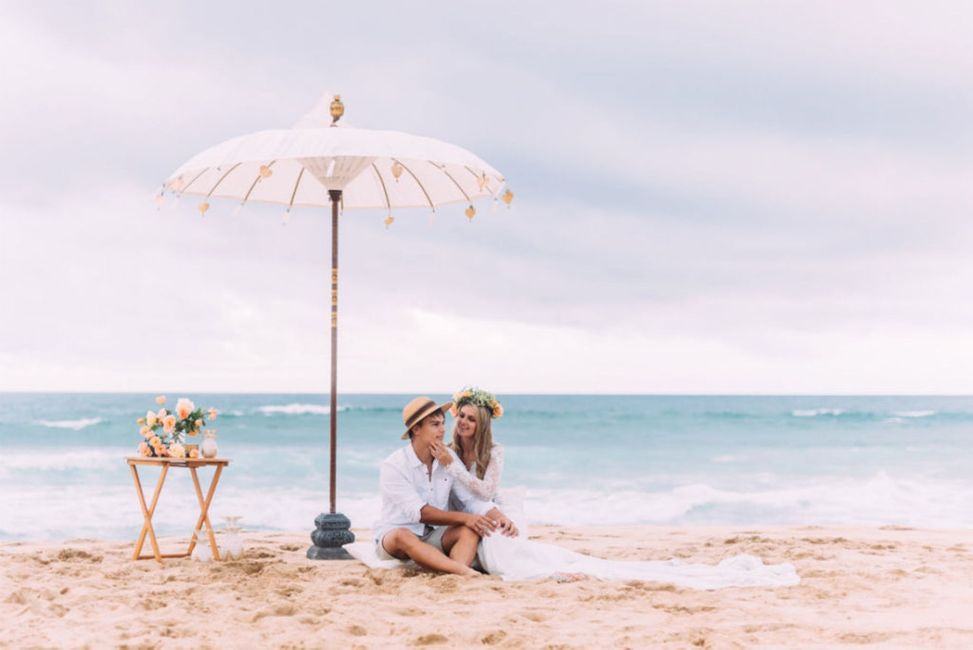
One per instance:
(510, 393)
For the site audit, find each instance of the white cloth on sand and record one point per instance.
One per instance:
(549, 561)
(517, 558)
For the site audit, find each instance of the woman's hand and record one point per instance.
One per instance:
(441, 453)
(506, 526)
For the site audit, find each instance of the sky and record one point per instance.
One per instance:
(710, 197)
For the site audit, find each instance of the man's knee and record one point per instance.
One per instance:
(399, 540)
(457, 534)
(468, 534)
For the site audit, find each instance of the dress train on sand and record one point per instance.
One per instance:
(518, 558)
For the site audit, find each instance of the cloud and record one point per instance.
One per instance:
(708, 199)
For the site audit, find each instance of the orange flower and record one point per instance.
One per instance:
(146, 431)
(199, 423)
(497, 411)
(194, 453)
(143, 449)
(154, 441)
(140, 421)
(212, 413)
(169, 423)
(160, 400)
(184, 407)
(194, 433)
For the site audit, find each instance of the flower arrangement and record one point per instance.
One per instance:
(165, 432)
(477, 397)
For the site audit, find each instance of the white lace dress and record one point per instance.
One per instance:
(517, 558)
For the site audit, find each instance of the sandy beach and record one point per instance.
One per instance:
(888, 587)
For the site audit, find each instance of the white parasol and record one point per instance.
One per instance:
(316, 164)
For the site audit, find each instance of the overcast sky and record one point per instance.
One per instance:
(747, 197)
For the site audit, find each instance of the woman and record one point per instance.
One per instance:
(516, 558)
(482, 460)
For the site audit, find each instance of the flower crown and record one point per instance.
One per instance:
(477, 397)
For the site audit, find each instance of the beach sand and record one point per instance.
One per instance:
(890, 586)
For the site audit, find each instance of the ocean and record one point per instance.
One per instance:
(582, 460)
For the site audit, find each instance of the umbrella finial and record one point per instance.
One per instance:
(337, 109)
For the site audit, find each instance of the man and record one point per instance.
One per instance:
(415, 488)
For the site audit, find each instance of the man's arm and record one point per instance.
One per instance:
(483, 508)
(482, 525)
(397, 489)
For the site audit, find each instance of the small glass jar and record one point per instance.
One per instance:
(208, 448)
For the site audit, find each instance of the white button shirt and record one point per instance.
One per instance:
(406, 487)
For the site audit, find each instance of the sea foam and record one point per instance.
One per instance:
(77, 425)
(298, 409)
(913, 414)
(810, 413)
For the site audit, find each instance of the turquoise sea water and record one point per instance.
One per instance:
(582, 459)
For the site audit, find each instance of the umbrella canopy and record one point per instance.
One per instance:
(316, 164)
(374, 169)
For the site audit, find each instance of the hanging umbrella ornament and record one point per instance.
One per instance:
(319, 165)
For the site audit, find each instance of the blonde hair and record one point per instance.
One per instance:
(482, 437)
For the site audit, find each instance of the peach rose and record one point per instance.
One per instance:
(177, 451)
(150, 418)
(194, 433)
(169, 423)
(146, 431)
(143, 449)
(140, 421)
(154, 441)
(184, 407)
(194, 453)
(160, 400)
(199, 423)
(497, 411)
(212, 414)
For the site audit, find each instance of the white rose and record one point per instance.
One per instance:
(150, 418)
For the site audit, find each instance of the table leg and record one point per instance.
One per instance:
(147, 513)
(204, 510)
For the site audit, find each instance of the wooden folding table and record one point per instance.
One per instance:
(149, 510)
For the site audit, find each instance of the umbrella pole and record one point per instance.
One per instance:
(335, 200)
(333, 529)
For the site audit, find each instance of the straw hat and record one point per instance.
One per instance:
(417, 409)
